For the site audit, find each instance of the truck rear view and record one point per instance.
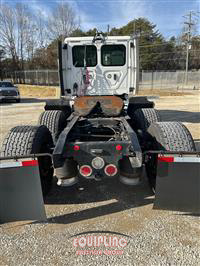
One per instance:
(99, 129)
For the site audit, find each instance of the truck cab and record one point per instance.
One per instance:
(99, 65)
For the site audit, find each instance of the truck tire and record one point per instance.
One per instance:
(55, 121)
(142, 118)
(138, 102)
(168, 136)
(25, 140)
(171, 136)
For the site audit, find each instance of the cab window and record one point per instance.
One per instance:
(113, 55)
(89, 52)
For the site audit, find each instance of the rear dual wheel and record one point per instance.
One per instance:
(26, 140)
(143, 118)
(55, 121)
(167, 136)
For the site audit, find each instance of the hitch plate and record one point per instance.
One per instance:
(110, 105)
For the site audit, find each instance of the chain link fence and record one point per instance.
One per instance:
(34, 77)
(148, 79)
(169, 80)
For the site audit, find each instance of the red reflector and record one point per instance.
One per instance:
(76, 148)
(86, 170)
(30, 163)
(111, 170)
(119, 147)
(166, 159)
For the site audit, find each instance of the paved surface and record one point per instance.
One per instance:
(154, 237)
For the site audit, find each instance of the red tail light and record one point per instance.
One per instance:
(85, 170)
(110, 170)
(168, 159)
(119, 147)
(76, 148)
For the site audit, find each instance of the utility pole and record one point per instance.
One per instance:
(190, 23)
(108, 29)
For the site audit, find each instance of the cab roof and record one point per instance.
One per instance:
(90, 38)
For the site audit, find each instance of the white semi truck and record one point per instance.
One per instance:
(99, 129)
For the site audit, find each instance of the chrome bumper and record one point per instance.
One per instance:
(9, 97)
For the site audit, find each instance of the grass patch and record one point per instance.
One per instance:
(162, 92)
(37, 91)
(48, 91)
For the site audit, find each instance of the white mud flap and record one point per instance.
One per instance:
(20, 191)
(178, 183)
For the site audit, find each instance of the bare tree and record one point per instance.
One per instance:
(62, 22)
(8, 32)
(24, 31)
(30, 40)
(16, 32)
(25, 35)
(42, 35)
(2, 56)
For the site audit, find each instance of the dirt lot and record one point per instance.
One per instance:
(37, 91)
(154, 237)
(47, 91)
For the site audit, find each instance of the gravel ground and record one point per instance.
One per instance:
(154, 237)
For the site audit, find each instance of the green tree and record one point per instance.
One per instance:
(91, 32)
(46, 58)
(78, 33)
(194, 62)
(152, 44)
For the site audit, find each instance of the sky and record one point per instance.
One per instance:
(166, 14)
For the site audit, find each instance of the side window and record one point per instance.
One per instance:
(87, 52)
(113, 55)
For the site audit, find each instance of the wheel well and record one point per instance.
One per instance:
(58, 104)
(138, 102)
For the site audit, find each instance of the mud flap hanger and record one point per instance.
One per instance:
(20, 189)
(177, 181)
